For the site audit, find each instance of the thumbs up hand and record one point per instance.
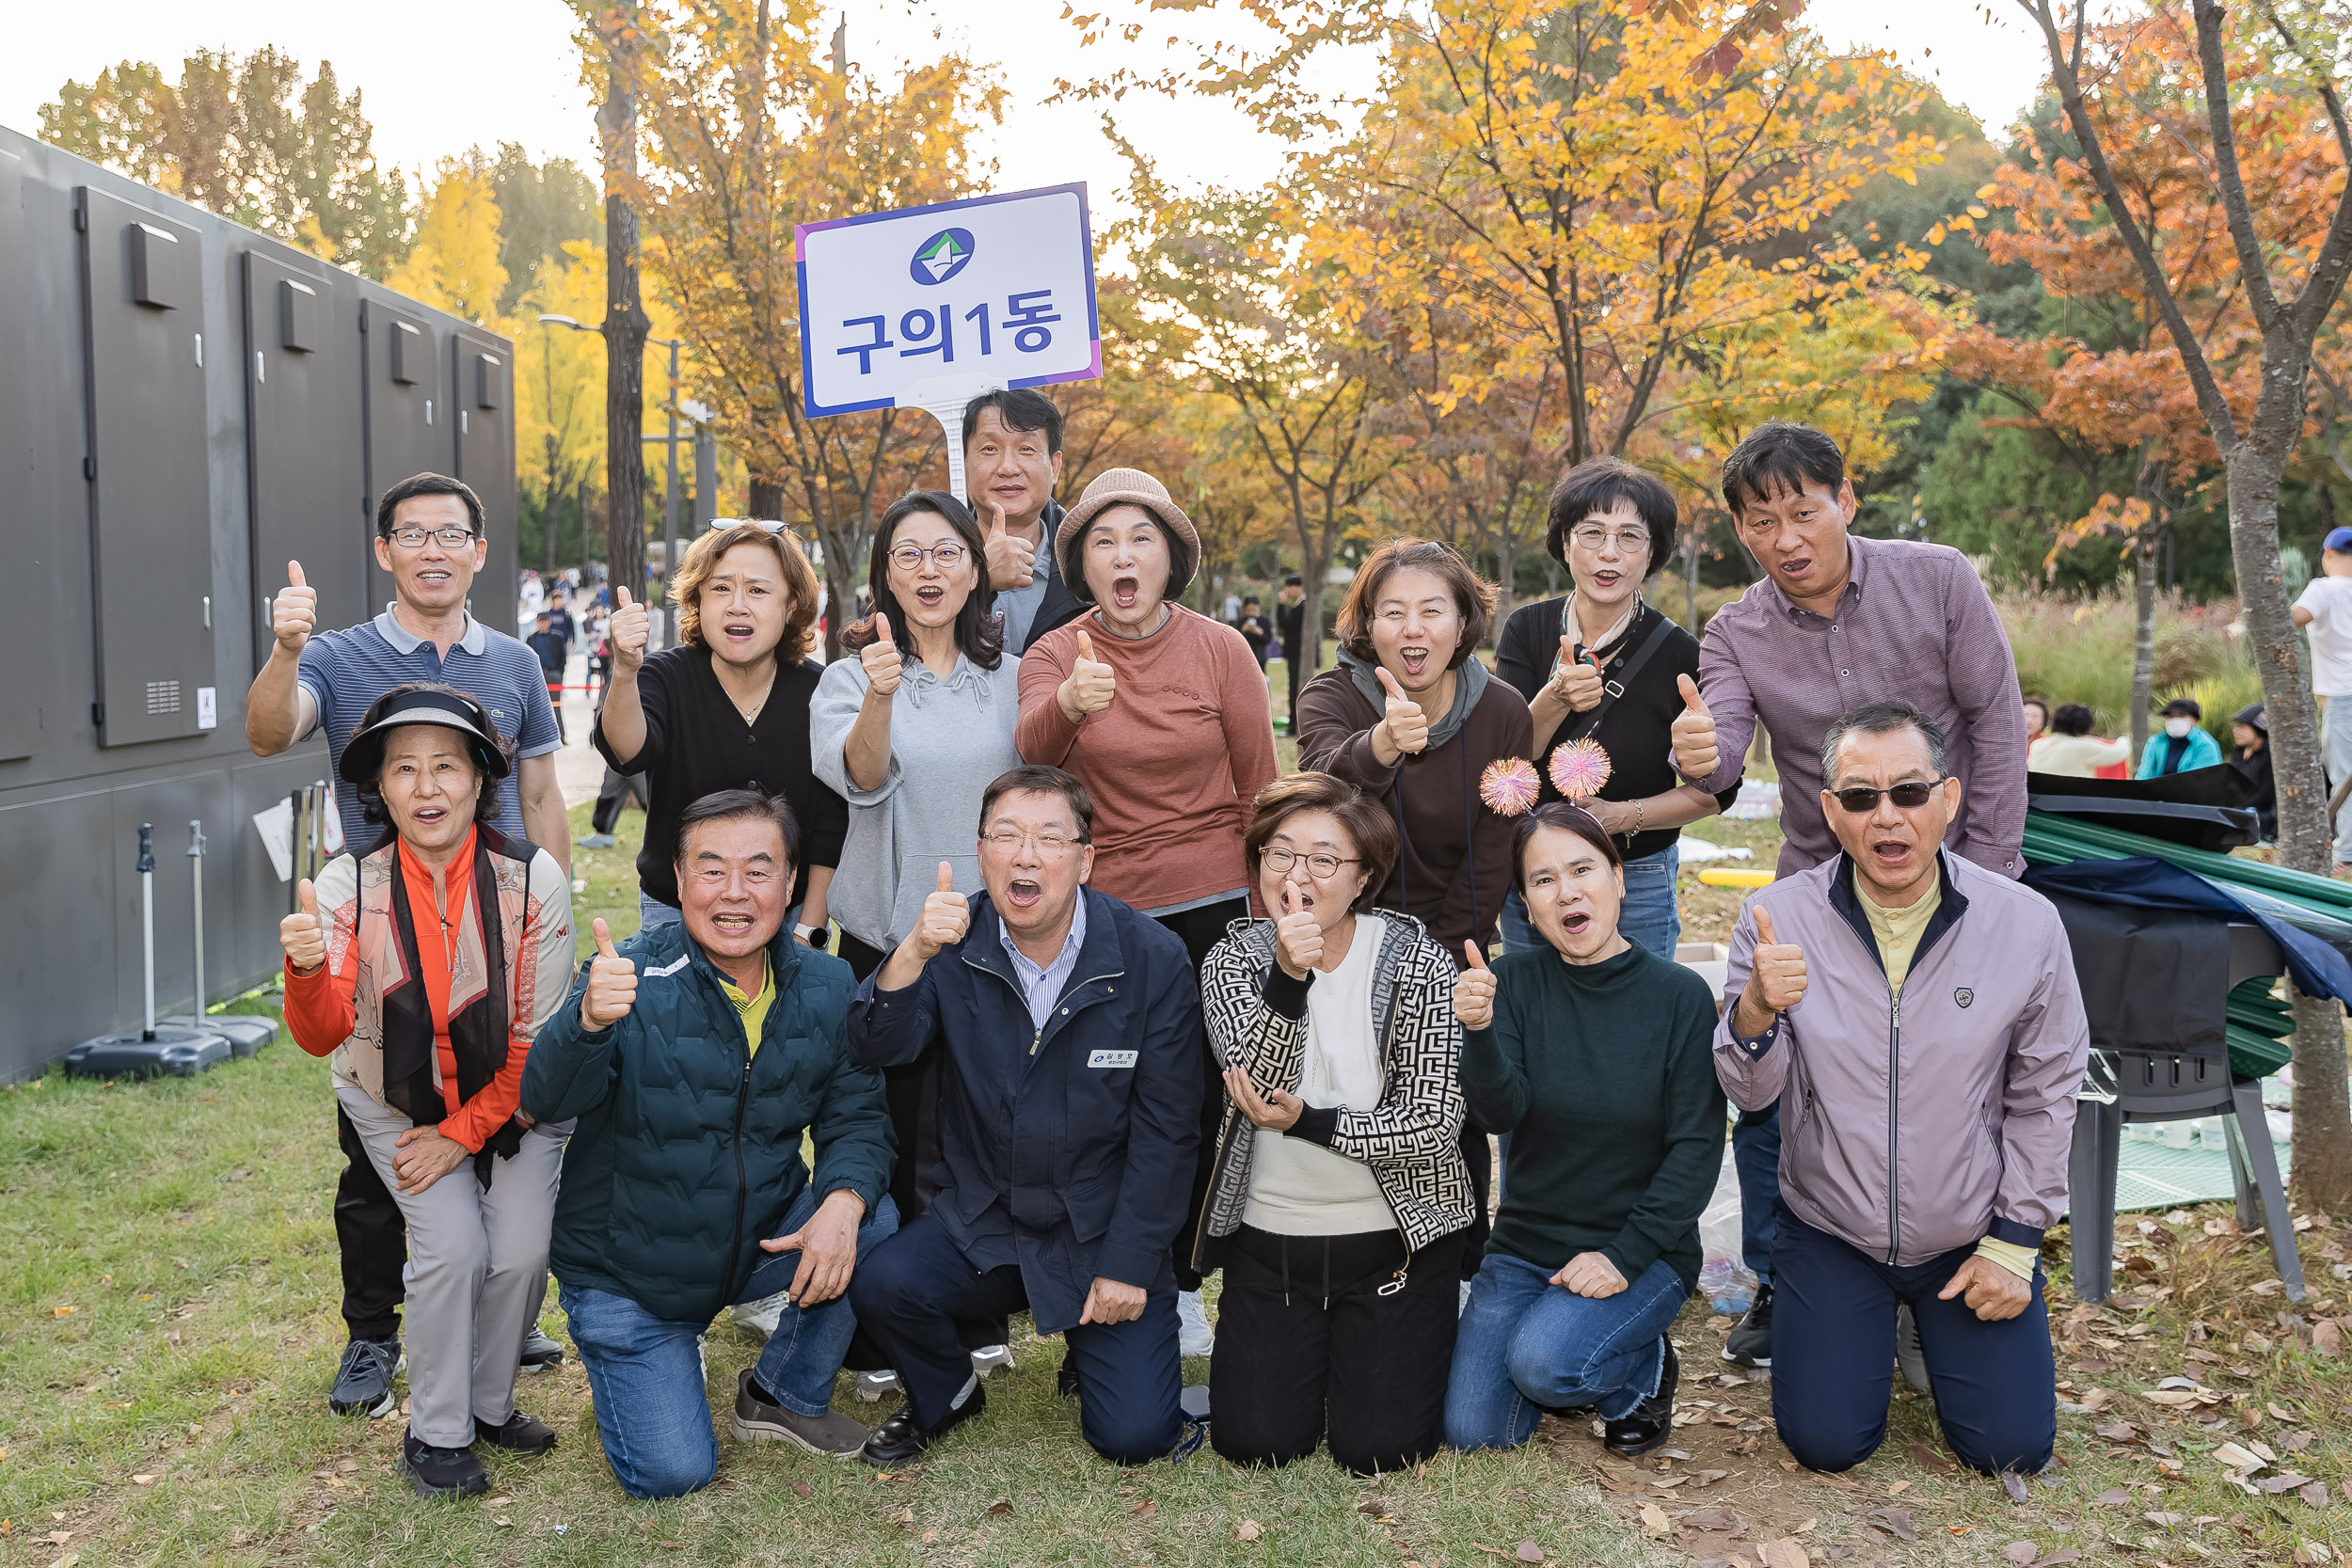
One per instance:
(301, 934)
(1011, 559)
(947, 915)
(1693, 733)
(1776, 981)
(629, 629)
(612, 984)
(1297, 937)
(1474, 991)
(1577, 682)
(293, 612)
(1090, 685)
(1403, 723)
(881, 659)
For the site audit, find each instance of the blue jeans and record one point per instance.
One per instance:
(648, 1372)
(1526, 1345)
(1834, 1352)
(1648, 917)
(1755, 1157)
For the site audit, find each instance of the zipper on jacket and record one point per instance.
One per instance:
(1894, 1098)
(742, 1179)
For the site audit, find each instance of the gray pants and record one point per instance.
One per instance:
(477, 1269)
(2335, 744)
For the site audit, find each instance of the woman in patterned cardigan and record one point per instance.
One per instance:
(1338, 1199)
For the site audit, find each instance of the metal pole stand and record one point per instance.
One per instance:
(175, 1046)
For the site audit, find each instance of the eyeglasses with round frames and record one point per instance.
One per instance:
(1628, 541)
(910, 557)
(1322, 868)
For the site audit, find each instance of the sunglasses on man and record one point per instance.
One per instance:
(1861, 798)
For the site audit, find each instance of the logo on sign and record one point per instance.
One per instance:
(941, 257)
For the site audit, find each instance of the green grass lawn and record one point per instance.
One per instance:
(169, 1330)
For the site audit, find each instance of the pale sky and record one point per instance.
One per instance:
(515, 76)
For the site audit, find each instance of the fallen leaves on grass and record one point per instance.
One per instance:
(1248, 1529)
(1895, 1521)
(1654, 1519)
(1529, 1552)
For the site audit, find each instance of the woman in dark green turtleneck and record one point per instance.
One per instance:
(1592, 1054)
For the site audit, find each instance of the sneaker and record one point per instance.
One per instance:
(364, 1384)
(540, 1354)
(435, 1473)
(759, 1422)
(873, 1385)
(1750, 1343)
(1909, 1358)
(1652, 1420)
(901, 1439)
(760, 1318)
(597, 841)
(520, 1433)
(1194, 1336)
(989, 1357)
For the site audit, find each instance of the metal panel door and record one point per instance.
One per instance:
(407, 405)
(23, 536)
(308, 469)
(148, 467)
(483, 393)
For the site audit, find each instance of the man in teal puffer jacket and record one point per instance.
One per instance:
(695, 1057)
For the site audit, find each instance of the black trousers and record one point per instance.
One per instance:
(371, 1239)
(619, 790)
(912, 1095)
(1201, 930)
(1302, 1357)
(1479, 1155)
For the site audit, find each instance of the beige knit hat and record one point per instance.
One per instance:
(1127, 487)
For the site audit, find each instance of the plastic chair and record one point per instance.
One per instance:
(2152, 1086)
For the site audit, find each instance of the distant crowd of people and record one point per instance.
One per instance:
(1119, 1004)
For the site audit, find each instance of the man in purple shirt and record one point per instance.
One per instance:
(1837, 622)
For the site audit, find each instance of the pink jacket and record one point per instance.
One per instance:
(1915, 1130)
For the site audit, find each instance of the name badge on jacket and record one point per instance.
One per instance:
(1112, 1058)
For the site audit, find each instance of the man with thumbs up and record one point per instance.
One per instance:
(1069, 1121)
(695, 1056)
(1011, 462)
(1919, 1019)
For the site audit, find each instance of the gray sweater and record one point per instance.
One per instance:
(948, 739)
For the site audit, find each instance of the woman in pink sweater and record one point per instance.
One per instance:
(1163, 715)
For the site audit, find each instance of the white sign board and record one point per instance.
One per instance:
(929, 306)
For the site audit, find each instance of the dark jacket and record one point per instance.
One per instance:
(688, 1151)
(1454, 860)
(2252, 785)
(1055, 1153)
(1060, 606)
(1637, 728)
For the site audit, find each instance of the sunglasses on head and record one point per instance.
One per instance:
(1909, 797)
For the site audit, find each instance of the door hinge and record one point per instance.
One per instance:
(81, 220)
(98, 715)
(89, 467)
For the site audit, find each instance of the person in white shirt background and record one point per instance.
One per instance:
(2325, 612)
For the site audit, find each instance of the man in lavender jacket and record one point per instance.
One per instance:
(1921, 1018)
(1840, 621)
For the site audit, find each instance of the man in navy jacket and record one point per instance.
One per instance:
(1069, 1122)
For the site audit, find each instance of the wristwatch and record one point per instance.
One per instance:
(812, 935)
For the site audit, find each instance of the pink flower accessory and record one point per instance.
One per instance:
(1579, 769)
(1509, 786)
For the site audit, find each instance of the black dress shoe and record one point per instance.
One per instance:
(520, 1433)
(1066, 1378)
(435, 1472)
(1653, 1420)
(901, 1439)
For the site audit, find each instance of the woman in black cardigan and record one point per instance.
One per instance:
(1600, 663)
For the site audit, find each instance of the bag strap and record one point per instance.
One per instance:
(1612, 691)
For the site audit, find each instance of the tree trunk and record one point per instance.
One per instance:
(2143, 636)
(766, 501)
(625, 321)
(2323, 1118)
(1506, 568)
